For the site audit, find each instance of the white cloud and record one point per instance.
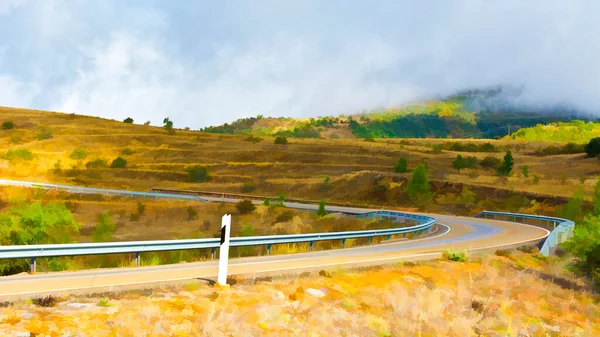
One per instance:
(204, 64)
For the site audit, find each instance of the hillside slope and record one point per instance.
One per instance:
(477, 114)
(574, 131)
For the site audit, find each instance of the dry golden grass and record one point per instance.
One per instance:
(491, 296)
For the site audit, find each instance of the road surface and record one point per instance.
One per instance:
(460, 233)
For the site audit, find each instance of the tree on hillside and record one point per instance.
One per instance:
(418, 186)
(507, 165)
(321, 211)
(128, 120)
(104, 229)
(8, 125)
(596, 197)
(401, 166)
(78, 154)
(119, 162)
(592, 149)
(245, 206)
(281, 140)
(525, 170)
(463, 162)
(197, 173)
(168, 125)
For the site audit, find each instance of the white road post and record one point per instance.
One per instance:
(224, 249)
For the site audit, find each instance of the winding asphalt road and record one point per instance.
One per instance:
(460, 233)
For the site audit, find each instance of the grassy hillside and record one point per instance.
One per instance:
(478, 114)
(515, 294)
(76, 149)
(574, 131)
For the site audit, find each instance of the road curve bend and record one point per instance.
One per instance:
(460, 233)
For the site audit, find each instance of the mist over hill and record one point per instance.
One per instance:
(476, 113)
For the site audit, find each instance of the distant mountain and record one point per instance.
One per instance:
(480, 113)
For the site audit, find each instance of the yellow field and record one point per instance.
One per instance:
(519, 295)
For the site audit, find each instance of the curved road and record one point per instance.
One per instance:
(461, 233)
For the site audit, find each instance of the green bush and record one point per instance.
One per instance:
(401, 166)
(18, 154)
(592, 149)
(245, 206)
(455, 256)
(44, 134)
(8, 125)
(281, 140)
(321, 211)
(197, 173)
(285, 216)
(168, 126)
(96, 163)
(248, 187)
(78, 154)
(127, 151)
(490, 162)
(128, 120)
(464, 162)
(119, 162)
(253, 139)
(105, 228)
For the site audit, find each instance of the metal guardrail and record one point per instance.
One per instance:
(562, 228)
(51, 250)
(422, 224)
(91, 190)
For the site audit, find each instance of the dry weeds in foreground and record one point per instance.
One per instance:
(496, 296)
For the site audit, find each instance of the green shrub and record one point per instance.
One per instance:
(197, 173)
(401, 166)
(248, 187)
(285, 216)
(128, 120)
(245, 206)
(192, 213)
(253, 139)
(455, 256)
(141, 208)
(321, 211)
(281, 140)
(78, 154)
(119, 162)
(18, 154)
(16, 139)
(464, 162)
(490, 162)
(168, 126)
(8, 125)
(105, 228)
(127, 151)
(96, 163)
(592, 149)
(105, 302)
(525, 170)
(44, 134)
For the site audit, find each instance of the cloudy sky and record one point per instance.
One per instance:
(209, 62)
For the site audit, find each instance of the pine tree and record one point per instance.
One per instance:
(402, 166)
(507, 164)
(418, 186)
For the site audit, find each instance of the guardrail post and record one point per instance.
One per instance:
(138, 259)
(33, 265)
(343, 243)
(212, 253)
(404, 234)
(311, 245)
(369, 239)
(269, 248)
(389, 237)
(224, 249)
